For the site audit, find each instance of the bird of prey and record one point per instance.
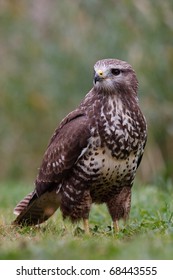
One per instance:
(94, 153)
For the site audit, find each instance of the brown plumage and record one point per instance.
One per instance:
(94, 153)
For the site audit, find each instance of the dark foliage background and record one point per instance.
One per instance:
(47, 52)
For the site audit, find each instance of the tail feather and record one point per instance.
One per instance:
(23, 203)
(34, 210)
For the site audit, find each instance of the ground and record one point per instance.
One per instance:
(148, 233)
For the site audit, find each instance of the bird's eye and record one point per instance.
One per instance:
(115, 71)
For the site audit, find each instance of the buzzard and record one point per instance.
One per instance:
(94, 153)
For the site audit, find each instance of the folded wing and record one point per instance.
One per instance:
(66, 145)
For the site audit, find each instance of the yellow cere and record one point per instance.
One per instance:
(100, 72)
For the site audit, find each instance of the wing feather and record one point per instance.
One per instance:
(67, 143)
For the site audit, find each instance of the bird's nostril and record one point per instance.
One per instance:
(100, 72)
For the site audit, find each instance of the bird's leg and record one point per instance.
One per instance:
(86, 226)
(119, 206)
(116, 226)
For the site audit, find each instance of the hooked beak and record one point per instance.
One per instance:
(98, 76)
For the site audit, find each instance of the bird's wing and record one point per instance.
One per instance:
(141, 156)
(66, 145)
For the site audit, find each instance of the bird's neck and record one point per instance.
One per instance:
(108, 101)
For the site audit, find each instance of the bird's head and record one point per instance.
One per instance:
(113, 75)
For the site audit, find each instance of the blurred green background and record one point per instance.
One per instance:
(47, 53)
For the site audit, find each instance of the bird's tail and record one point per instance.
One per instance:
(34, 210)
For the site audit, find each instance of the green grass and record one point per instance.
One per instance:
(147, 235)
